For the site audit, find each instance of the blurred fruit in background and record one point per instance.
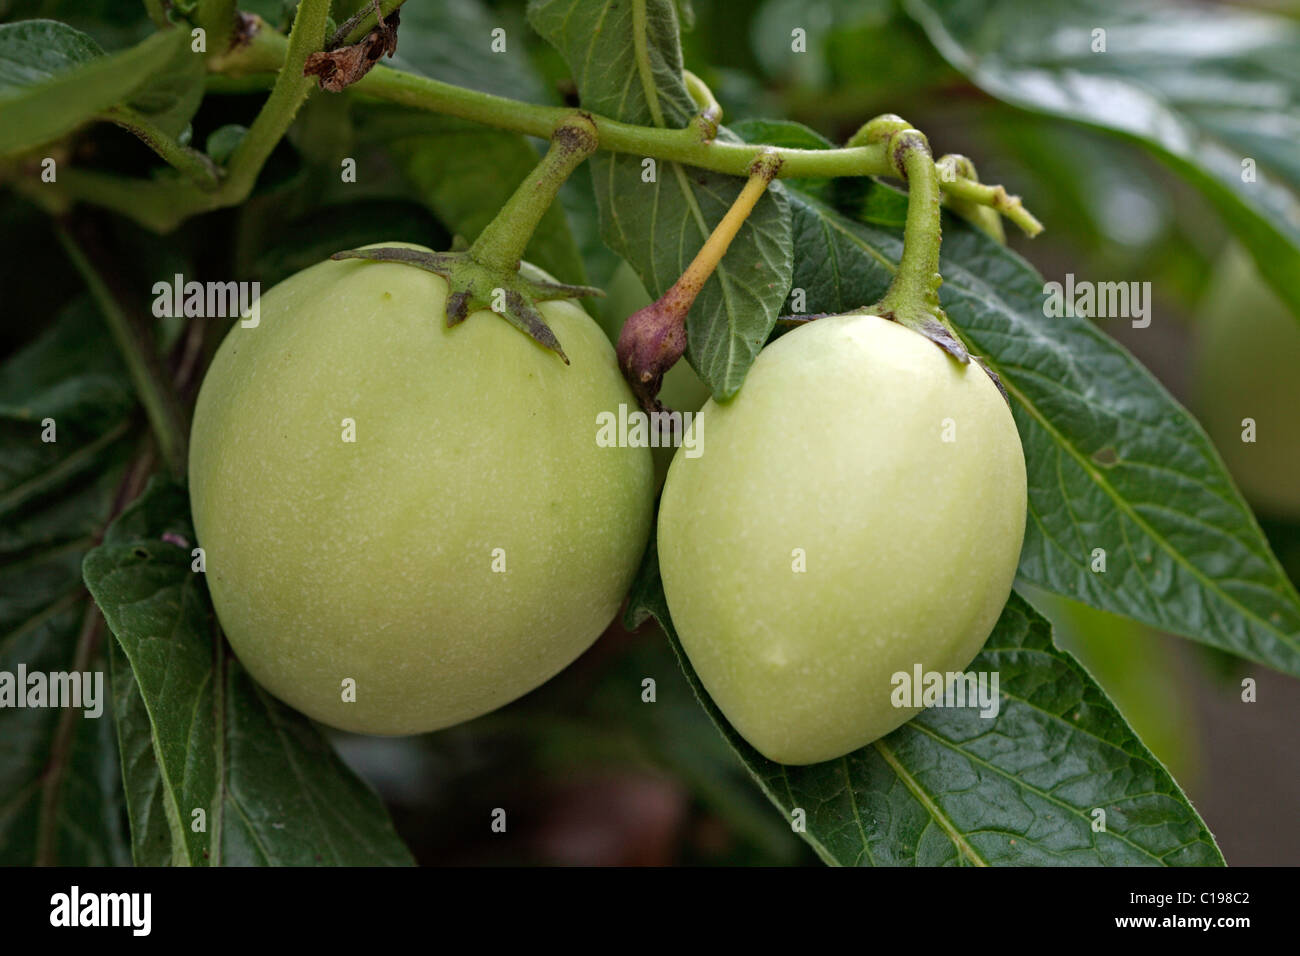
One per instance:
(1248, 370)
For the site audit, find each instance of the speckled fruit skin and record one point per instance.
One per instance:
(373, 560)
(835, 445)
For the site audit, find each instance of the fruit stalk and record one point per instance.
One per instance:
(501, 243)
(654, 338)
(912, 299)
(487, 276)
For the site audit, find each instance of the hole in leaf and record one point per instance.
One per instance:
(140, 552)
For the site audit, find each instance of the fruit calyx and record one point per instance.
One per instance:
(488, 275)
(473, 285)
(912, 299)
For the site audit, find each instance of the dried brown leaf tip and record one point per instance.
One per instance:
(341, 68)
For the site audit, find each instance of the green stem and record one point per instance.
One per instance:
(162, 205)
(501, 243)
(995, 197)
(709, 117)
(360, 23)
(290, 91)
(191, 163)
(152, 385)
(145, 201)
(269, 52)
(674, 145)
(984, 218)
(914, 290)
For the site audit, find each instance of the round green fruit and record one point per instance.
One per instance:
(467, 543)
(857, 510)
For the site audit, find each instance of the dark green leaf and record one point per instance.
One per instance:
(289, 247)
(53, 79)
(151, 841)
(1202, 88)
(952, 788)
(675, 734)
(58, 806)
(451, 40)
(270, 788)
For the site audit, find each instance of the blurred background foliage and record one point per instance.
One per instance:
(592, 774)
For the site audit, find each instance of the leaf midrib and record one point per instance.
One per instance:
(923, 797)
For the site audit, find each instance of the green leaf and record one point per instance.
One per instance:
(271, 790)
(628, 67)
(1139, 671)
(58, 805)
(1201, 88)
(54, 78)
(111, 23)
(952, 788)
(451, 40)
(34, 51)
(151, 841)
(171, 96)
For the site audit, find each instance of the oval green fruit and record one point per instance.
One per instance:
(467, 543)
(856, 511)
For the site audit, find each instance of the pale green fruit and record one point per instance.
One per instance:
(380, 560)
(835, 450)
(1248, 367)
